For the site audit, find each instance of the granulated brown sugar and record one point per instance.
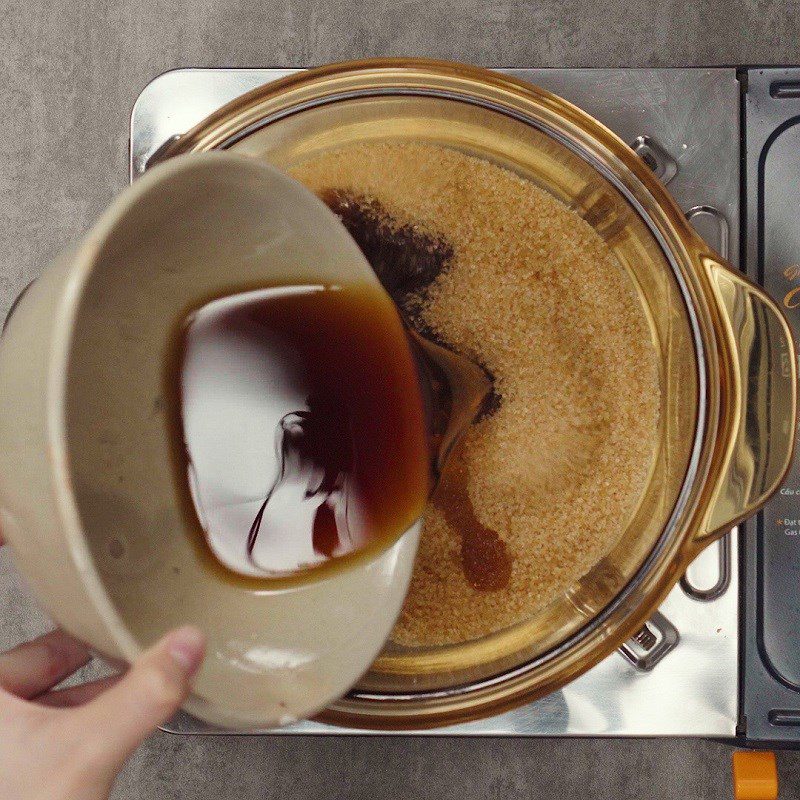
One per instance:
(528, 289)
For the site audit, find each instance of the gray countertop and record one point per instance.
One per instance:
(70, 73)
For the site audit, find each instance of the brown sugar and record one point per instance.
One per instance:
(523, 286)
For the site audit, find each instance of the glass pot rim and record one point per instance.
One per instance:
(683, 534)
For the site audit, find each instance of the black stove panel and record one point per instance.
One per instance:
(771, 586)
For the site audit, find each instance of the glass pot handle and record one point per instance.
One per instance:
(763, 370)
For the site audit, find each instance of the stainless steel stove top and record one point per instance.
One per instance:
(679, 677)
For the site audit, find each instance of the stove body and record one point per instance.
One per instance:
(709, 664)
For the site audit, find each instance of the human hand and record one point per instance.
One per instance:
(69, 744)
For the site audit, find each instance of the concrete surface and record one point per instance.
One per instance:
(70, 73)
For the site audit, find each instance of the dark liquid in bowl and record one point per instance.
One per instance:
(298, 426)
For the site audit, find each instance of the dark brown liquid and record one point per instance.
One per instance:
(484, 555)
(300, 427)
(407, 262)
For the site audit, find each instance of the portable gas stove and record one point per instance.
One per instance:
(720, 658)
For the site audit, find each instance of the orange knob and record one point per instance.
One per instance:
(755, 775)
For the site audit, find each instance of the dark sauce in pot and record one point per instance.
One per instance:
(407, 261)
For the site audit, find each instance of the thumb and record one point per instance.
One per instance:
(148, 695)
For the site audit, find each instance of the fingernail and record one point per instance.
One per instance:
(187, 646)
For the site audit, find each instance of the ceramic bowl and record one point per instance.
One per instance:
(87, 498)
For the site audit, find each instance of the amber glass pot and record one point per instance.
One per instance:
(727, 360)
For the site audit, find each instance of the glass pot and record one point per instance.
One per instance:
(727, 360)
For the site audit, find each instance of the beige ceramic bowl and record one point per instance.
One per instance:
(86, 489)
